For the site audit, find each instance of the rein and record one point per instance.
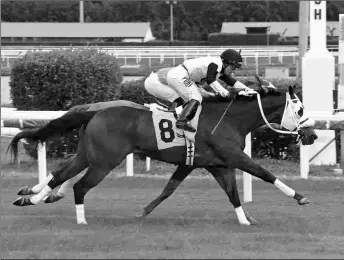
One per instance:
(262, 114)
(266, 121)
(224, 113)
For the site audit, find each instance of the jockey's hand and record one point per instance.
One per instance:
(230, 96)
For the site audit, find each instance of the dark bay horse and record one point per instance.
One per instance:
(107, 136)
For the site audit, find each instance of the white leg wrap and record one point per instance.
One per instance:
(37, 188)
(62, 190)
(284, 188)
(35, 199)
(241, 216)
(80, 214)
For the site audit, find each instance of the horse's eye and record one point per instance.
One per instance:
(300, 112)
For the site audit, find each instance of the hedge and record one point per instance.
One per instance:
(60, 79)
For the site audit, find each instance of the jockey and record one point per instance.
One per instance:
(156, 85)
(184, 77)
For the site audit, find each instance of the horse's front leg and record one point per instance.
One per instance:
(225, 177)
(176, 179)
(239, 159)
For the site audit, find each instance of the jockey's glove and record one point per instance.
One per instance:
(246, 91)
(238, 84)
(217, 87)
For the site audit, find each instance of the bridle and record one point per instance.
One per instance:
(299, 123)
(289, 101)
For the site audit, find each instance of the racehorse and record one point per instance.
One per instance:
(107, 136)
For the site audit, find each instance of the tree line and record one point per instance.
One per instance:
(193, 20)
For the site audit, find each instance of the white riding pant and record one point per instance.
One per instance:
(178, 79)
(154, 87)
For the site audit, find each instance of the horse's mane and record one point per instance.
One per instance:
(263, 91)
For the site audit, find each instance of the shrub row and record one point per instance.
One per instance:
(60, 79)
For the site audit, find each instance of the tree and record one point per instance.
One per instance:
(194, 20)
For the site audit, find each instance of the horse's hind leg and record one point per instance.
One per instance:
(93, 176)
(59, 195)
(177, 178)
(74, 166)
(72, 169)
(26, 190)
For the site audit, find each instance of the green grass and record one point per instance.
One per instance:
(197, 221)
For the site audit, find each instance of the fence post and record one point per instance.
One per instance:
(304, 161)
(130, 165)
(148, 163)
(257, 66)
(247, 178)
(42, 162)
(161, 58)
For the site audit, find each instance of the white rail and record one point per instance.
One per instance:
(133, 56)
(8, 114)
(49, 115)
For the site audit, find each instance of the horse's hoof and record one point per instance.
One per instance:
(23, 202)
(304, 201)
(25, 191)
(82, 222)
(252, 220)
(245, 223)
(143, 215)
(53, 198)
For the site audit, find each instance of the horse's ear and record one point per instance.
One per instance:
(291, 90)
(258, 79)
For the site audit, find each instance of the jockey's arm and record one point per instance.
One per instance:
(232, 82)
(213, 83)
(204, 93)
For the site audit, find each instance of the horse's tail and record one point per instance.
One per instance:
(61, 125)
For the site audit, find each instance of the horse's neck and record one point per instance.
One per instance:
(269, 106)
(243, 115)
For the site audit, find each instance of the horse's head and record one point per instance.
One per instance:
(295, 118)
(291, 115)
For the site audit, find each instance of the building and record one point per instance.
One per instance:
(123, 32)
(285, 29)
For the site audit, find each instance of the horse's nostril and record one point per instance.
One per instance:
(315, 137)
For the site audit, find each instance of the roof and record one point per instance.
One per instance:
(275, 27)
(75, 30)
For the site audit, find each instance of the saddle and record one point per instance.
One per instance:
(167, 135)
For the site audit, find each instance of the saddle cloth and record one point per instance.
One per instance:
(168, 135)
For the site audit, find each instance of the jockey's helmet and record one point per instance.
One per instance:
(231, 57)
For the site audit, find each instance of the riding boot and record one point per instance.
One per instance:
(176, 103)
(186, 115)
